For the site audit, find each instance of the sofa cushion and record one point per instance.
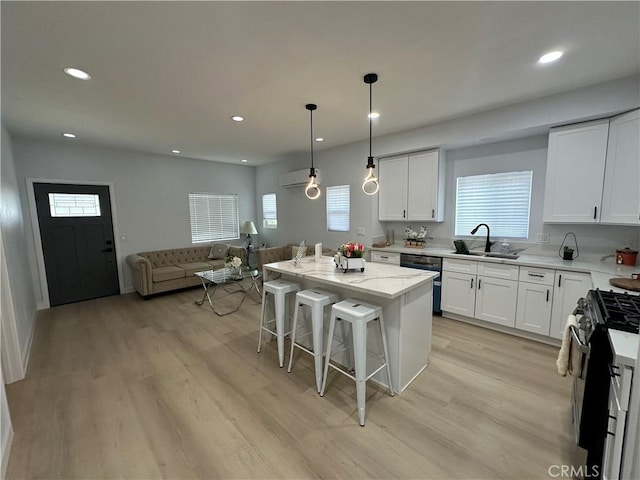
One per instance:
(193, 267)
(161, 274)
(218, 251)
(215, 264)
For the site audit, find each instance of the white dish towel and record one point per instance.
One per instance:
(568, 359)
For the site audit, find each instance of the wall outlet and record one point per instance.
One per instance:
(359, 231)
(543, 238)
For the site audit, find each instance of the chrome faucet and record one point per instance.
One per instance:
(487, 246)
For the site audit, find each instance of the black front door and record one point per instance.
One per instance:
(77, 241)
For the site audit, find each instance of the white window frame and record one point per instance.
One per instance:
(339, 208)
(213, 217)
(501, 200)
(269, 214)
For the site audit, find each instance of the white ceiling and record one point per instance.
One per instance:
(170, 74)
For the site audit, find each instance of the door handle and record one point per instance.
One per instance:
(105, 250)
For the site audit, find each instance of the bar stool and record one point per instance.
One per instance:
(278, 289)
(316, 299)
(358, 314)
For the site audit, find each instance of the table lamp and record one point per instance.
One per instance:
(248, 228)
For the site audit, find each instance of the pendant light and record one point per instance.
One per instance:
(370, 185)
(312, 191)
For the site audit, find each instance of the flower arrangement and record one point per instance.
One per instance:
(413, 238)
(352, 250)
(233, 262)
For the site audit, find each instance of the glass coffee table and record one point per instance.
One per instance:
(211, 279)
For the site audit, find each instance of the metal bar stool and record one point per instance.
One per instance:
(278, 290)
(358, 314)
(316, 299)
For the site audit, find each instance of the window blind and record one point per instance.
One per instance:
(213, 217)
(502, 200)
(269, 211)
(338, 208)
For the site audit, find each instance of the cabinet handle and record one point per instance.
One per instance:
(612, 372)
(433, 213)
(595, 212)
(472, 283)
(479, 283)
(559, 280)
(537, 275)
(404, 214)
(611, 433)
(547, 294)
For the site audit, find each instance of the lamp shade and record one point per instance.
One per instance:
(248, 228)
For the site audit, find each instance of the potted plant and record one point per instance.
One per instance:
(567, 253)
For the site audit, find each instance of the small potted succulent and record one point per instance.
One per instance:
(567, 253)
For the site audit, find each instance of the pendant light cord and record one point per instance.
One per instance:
(370, 119)
(311, 113)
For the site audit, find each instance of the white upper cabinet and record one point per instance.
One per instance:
(575, 172)
(621, 195)
(392, 197)
(412, 187)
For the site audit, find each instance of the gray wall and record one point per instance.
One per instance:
(14, 225)
(522, 129)
(151, 191)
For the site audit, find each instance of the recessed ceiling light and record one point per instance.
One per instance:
(69, 135)
(175, 151)
(237, 118)
(319, 139)
(244, 160)
(77, 73)
(373, 115)
(550, 57)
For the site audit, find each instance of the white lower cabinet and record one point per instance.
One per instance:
(458, 293)
(488, 293)
(385, 257)
(535, 298)
(568, 288)
(496, 300)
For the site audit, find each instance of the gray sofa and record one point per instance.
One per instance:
(165, 270)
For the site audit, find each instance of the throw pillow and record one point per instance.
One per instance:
(218, 251)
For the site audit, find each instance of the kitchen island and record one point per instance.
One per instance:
(404, 294)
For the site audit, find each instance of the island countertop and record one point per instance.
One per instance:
(378, 279)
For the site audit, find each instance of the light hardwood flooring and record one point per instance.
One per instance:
(122, 387)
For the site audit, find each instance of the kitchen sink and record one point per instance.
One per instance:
(509, 256)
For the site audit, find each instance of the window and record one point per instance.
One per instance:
(74, 205)
(213, 217)
(501, 200)
(338, 208)
(269, 211)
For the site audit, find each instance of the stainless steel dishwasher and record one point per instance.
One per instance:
(426, 262)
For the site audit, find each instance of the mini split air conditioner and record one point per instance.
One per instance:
(298, 178)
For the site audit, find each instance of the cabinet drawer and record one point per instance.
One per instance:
(385, 257)
(541, 276)
(497, 270)
(459, 266)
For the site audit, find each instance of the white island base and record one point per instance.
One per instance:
(405, 296)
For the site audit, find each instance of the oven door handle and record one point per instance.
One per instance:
(584, 348)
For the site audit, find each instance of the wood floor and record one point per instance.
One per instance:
(122, 387)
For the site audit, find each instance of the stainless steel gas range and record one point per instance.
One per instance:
(602, 387)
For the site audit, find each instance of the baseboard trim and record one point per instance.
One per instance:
(6, 452)
(26, 351)
(126, 290)
(500, 328)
